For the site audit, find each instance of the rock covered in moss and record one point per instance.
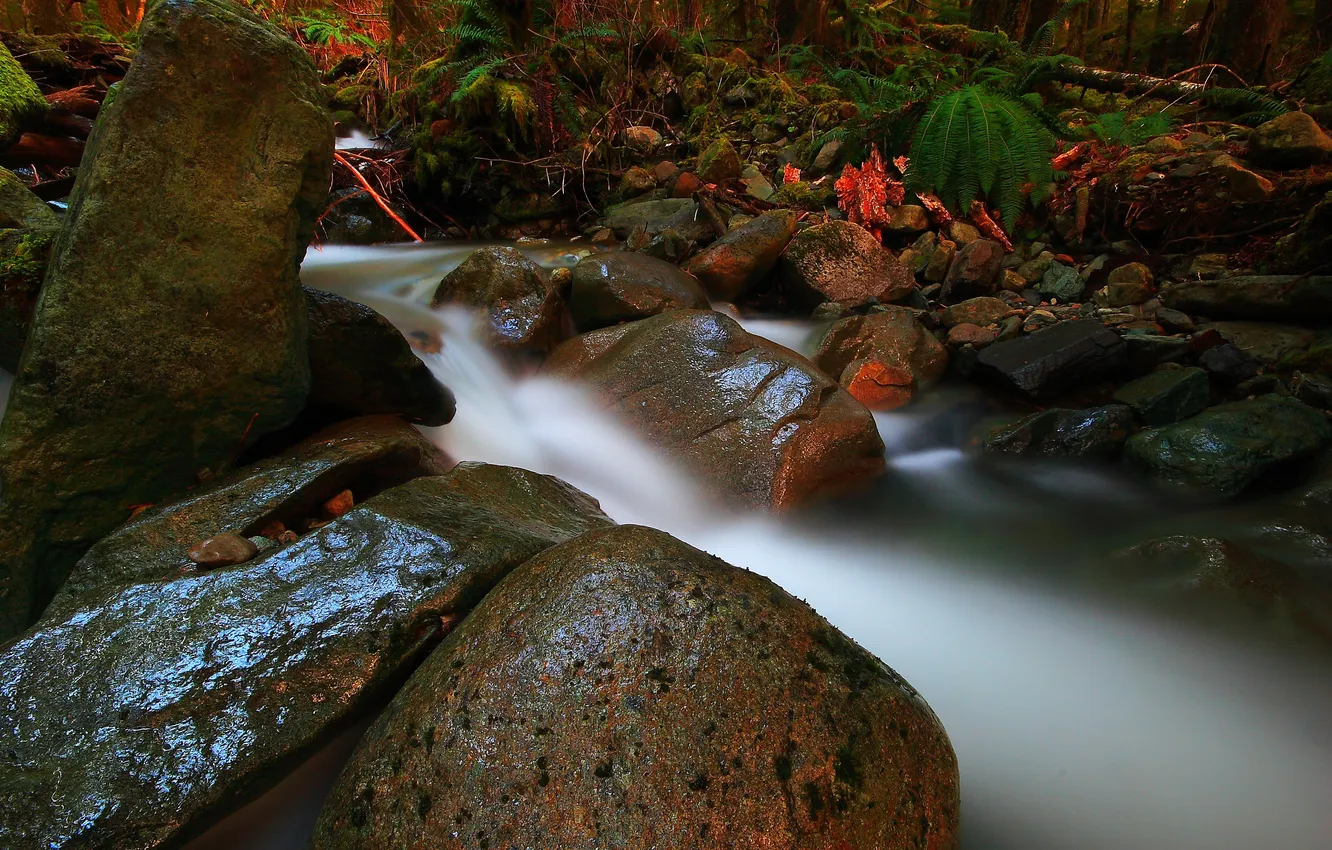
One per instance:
(522, 308)
(624, 287)
(882, 358)
(679, 213)
(719, 163)
(1228, 447)
(735, 263)
(1167, 396)
(762, 428)
(145, 711)
(843, 262)
(28, 228)
(1293, 140)
(171, 327)
(626, 690)
(21, 102)
(360, 365)
(1276, 298)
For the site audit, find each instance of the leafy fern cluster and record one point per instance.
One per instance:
(976, 143)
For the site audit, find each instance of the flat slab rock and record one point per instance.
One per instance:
(762, 427)
(627, 690)
(1058, 358)
(140, 715)
(1297, 299)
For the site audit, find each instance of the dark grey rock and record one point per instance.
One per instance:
(1167, 396)
(1055, 359)
(1094, 434)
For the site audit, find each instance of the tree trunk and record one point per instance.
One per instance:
(1320, 34)
(1077, 32)
(1041, 13)
(1248, 35)
(987, 15)
(1130, 30)
(1166, 13)
(1019, 12)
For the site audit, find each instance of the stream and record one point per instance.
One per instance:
(1081, 717)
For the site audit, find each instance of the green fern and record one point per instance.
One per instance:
(1115, 128)
(976, 144)
(324, 27)
(1043, 40)
(1255, 107)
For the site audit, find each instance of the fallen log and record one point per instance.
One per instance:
(68, 123)
(1119, 82)
(37, 149)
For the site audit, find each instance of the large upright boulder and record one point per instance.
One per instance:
(754, 421)
(21, 102)
(150, 706)
(171, 327)
(626, 690)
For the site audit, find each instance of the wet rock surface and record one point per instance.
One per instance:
(522, 307)
(883, 358)
(623, 287)
(1229, 447)
(840, 261)
(145, 711)
(1167, 396)
(360, 364)
(647, 694)
(735, 263)
(1055, 359)
(1092, 434)
(126, 392)
(762, 428)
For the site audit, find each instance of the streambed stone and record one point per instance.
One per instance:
(147, 711)
(171, 327)
(624, 286)
(843, 262)
(735, 263)
(1298, 299)
(870, 353)
(522, 307)
(361, 365)
(1055, 359)
(754, 421)
(1167, 396)
(626, 690)
(1096, 433)
(1226, 448)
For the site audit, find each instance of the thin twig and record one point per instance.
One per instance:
(383, 205)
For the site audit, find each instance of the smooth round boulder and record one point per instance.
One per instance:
(843, 262)
(756, 423)
(626, 286)
(522, 307)
(735, 263)
(627, 690)
(1293, 140)
(879, 350)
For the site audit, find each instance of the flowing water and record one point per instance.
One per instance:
(1081, 722)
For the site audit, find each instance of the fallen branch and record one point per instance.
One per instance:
(58, 151)
(383, 205)
(1120, 82)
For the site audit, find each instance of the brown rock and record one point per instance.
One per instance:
(522, 307)
(686, 184)
(962, 233)
(626, 690)
(624, 287)
(1293, 140)
(975, 270)
(640, 139)
(1128, 285)
(898, 350)
(843, 262)
(967, 334)
(1244, 185)
(909, 219)
(732, 265)
(223, 550)
(665, 171)
(761, 427)
(976, 311)
(719, 163)
(941, 261)
(340, 504)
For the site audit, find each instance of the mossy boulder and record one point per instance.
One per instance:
(678, 214)
(1293, 140)
(21, 102)
(735, 263)
(843, 262)
(1227, 448)
(521, 306)
(360, 364)
(143, 712)
(171, 327)
(762, 428)
(627, 690)
(624, 287)
(719, 163)
(28, 228)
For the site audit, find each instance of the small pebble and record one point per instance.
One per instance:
(223, 550)
(339, 504)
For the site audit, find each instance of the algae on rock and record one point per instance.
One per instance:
(171, 327)
(21, 102)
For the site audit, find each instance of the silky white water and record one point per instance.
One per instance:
(1078, 725)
